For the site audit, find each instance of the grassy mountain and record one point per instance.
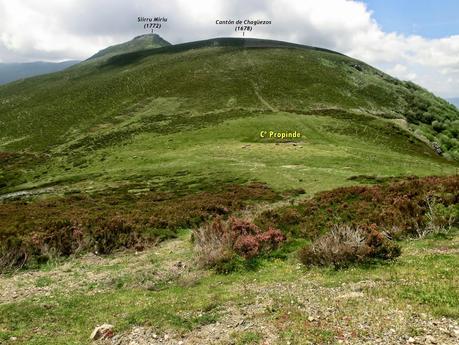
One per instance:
(186, 115)
(124, 151)
(142, 42)
(14, 71)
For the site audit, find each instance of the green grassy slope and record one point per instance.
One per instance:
(333, 149)
(184, 114)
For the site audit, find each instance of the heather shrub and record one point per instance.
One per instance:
(65, 237)
(34, 231)
(13, 253)
(247, 246)
(380, 245)
(56, 238)
(219, 242)
(115, 232)
(270, 239)
(60, 237)
(400, 207)
(345, 245)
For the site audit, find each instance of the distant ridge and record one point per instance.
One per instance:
(14, 71)
(130, 57)
(454, 101)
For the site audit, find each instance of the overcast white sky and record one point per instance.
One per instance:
(56, 30)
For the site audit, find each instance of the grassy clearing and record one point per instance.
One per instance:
(424, 276)
(331, 149)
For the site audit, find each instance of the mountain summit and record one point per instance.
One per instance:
(141, 42)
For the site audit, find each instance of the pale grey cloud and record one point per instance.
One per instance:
(75, 29)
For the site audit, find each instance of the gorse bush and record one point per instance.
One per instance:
(219, 241)
(345, 245)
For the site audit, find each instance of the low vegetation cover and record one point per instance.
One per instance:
(32, 232)
(403, 208)
(348, 225)
(13, 165)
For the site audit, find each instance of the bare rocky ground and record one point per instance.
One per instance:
(93, 274)
(354, 317)
(303, 311)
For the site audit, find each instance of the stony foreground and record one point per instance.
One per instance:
(159, 296)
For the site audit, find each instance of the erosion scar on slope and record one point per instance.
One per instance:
(255, 86)
(260, 97)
